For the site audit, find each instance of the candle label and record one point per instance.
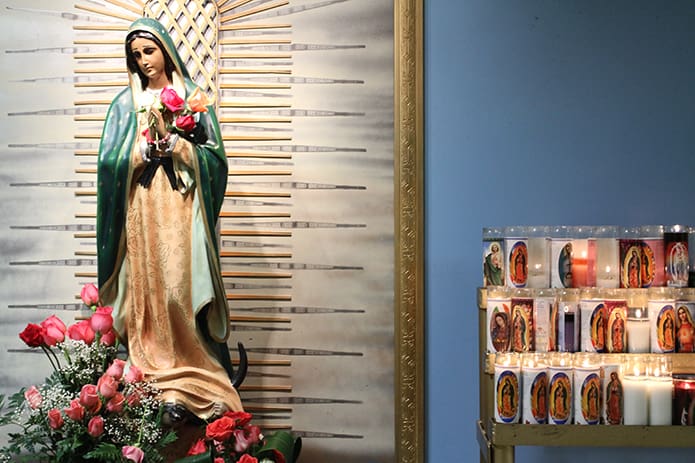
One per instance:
(590, 387)
(517, 263)
(499, 322)
(508, 397)
(523, 328)
(616, 314)
(613, 396)
(561, 264)
(685, 328)
(493, 263)
(535, 398)
(593, 322)
(631, 264)
(543, 309)
(560, 399)
(663, 331)
(652, 262)
(676, 259)
(683, 402)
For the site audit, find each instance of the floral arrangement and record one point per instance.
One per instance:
(94, 407)
(182, 116)
(233, 439)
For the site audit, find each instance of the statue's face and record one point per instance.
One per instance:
(149, 58)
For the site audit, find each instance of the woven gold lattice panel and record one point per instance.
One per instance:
(193, 26)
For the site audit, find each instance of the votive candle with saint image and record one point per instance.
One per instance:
(568, 323)
(593, 320)
(676, 258)
(652, 270)
(662, 320)
(611, 389)
(499, 318)
(560, 388)
(685, 327)
(493, 257)
(534, 388)
(587, 388)
(516, 262)
(561, 273)
(507, 388)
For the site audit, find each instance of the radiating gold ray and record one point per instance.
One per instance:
(254, 71)
(236, 4)
(253, 120)
(108, 13)
(257, 297)
(252, 11)
(91, 102)
(255, 138)
(244, 27)
(127, 6)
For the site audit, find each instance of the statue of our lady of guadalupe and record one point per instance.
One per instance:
(162, 175)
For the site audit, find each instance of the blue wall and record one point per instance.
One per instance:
(543, 112)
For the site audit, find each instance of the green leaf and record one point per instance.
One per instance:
(284, 443)
(105, 452)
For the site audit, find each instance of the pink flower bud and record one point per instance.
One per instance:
(75, 411)
(108, 386)
(101, 320)
(108, 338)
(95, 427)
(89, 295)
(33, 396)
(55, 419)
(132, 453)
(116, 368)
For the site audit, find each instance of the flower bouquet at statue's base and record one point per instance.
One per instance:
(233, 439)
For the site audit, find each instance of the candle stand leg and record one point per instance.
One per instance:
(502, 454)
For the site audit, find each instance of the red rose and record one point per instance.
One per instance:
(185, 123)
(221, 429)
(82, 331)
(171, 100)
(197, 448)
(241, 418)
(33, 335)
(246, 458)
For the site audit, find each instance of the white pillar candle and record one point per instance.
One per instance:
(660, 401)
(638, 335)
(607, 258)
(636, 400)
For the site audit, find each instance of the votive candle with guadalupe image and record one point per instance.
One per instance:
(630, 257)
(593, 320)
(611, 389)
(587, 388)
(499, 319)
(507, 388)
(560, 381)
(652, 241)
(616, 320)
(523, 321)
(516, 262)
(662, 320)
(534, 389)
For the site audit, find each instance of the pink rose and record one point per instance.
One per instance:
(89, 295)
(102, 321)
(116, 404)
(33, 335)
(171, 100)
(108, 338)
(75, 411)
(133, 453)
(33, 396)
(116, 368)
(108, 386)
(246, 458)
(134, 398)
(55, 419)
(54, 330)
(95, 427)
(89, 397)
(82, 331)
(185, 123)
(134, 375)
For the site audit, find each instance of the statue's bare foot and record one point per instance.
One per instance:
(219, 409)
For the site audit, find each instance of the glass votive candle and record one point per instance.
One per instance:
(538, 257)
(593, 320)
(534, 388)
(662, 320)
(660, 386)
(568, 324)
(545, 319)
(493, 257)
(607, 256)
(635, 390)
(507, 391)
(560, 388)
(683, 400)
(583, 256)
(516, 262)
(523, 331)
(612, 389)
(676, 258)
(630, 257)
(499, 318)
(560, 257)
(638, 334)
(587, 388)
(652, 267)
(616, 318)
(685, 327)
